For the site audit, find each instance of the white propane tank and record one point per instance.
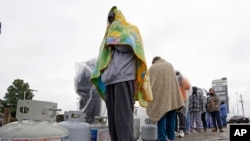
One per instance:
(99, 130)
(136, 124)
(78, 129)
(149, 131)
(36, 122)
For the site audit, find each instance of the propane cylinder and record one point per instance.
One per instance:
(99, 130)
(149, 131)
(36, 122)
(136, 124)
(76, 125)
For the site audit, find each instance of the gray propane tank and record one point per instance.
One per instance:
(149, 131)
(36, 122)
(99, 130)
(136, 124)
(76, 125)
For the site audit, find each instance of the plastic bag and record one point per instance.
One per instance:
(90, 101)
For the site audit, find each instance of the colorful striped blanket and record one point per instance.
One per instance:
(124, 33)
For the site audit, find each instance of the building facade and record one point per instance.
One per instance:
(221, 89)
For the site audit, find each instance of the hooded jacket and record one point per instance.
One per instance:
(184, 86)
(196, 101)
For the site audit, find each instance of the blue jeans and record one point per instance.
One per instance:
(188, 122)
(166, 126)
(224, 120)
(209, 120)
(216, 119)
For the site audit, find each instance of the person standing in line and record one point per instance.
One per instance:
(167, 98)
(195, 108)
(223, 114)
(189, 93)
(213, 106)
(120, 75)
(209, 120)
(187, 124)
(203, 112)
(184, 87)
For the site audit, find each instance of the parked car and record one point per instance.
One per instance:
(238, 119)
(229, 116)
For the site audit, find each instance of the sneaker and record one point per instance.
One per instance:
(176, 134)
(187, 132)
(181, 134)
(192, 130)
(221, 130)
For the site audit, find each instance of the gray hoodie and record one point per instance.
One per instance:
(122, 66)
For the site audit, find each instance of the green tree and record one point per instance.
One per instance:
(18, 90)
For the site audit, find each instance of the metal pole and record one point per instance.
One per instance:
(78, 104)
(237, 103)
(241, 101)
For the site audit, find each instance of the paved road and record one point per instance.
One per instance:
(205, 136)
(208, 135)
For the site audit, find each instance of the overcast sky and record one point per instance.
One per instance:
(42, 40)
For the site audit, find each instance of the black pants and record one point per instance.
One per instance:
(120, 105)
(203, 119)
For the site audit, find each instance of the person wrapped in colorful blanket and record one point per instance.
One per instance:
(120, 75)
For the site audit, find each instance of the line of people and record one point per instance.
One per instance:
(204, 111)
(174, 111)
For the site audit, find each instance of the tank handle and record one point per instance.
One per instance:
(147, 121)
(101, 120)
(76, 116)
(36, 110)
(136, 110)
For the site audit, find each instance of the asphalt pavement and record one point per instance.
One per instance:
(205, 136)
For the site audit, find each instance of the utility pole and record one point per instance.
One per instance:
(241, 101)
(237, 103)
